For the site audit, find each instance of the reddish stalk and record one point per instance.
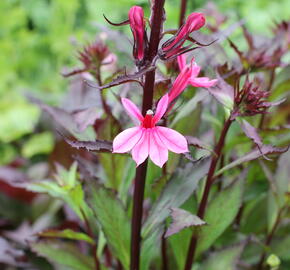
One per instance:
(209, 182)
(183, 4)
(136, 225)
(90, 233)
(269, 239)
(164, 253)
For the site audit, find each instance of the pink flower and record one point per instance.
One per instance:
(147, 139)
(174, 45)
(188, 75)
(136, 20)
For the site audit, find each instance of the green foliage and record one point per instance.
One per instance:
(220, 214)
(175, 193)
(112, 217)
(60, 253)
(223, 260)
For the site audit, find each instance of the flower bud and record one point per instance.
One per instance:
(174, 45)
(137, 24)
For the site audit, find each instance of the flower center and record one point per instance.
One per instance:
(147, 122)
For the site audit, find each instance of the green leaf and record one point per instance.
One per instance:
(281, 247)
(17, 118)
(68, 234)
(223, 260)
(41, 143)
(61, 253)
(219, 214)
(189, 107)
(176, 192)
(113, 219)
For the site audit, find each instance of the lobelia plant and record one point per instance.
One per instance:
(122, 207)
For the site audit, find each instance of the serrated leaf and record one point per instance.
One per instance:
(67, 234)
(264, 150)
(223, 260)
(176, 192)
(97, 145)
(113, 219)
(61, 253)
(182, 219)
(219, 214)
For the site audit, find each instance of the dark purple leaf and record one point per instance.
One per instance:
(182, 219)
(85, 118)
(9, 255)
(198, 143)
(251, 132)
(124, 79)
(262, 151)
(97, 145)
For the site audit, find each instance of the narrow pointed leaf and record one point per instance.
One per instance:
(220, 213)
(65, 254)
(112, 217)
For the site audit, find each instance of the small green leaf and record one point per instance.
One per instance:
(219, 214)
(41, 143)
(61, 253)
(113, 219)
(68, 234)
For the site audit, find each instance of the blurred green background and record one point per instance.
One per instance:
(38, 38)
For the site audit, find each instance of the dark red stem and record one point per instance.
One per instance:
(157, 19)
(183, 4)
(164, 253)
(90, 233)
(209, 182)
(269, 239)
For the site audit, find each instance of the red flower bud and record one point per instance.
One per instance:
(174, 45)
(137, 24)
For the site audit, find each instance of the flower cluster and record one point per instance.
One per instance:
(148, 139)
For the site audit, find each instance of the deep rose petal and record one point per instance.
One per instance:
(127, 139)
(158, 152)
(172, 140)
(180, 84)
(161, 108)
(132, 109)
(181, 60)
(202, 82)
(141, 150)
(195, 69)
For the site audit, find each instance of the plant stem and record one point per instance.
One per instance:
(209, 182)
(157, 18)
(183, 4)
(269, 238)
(90, 233)
(163, 251)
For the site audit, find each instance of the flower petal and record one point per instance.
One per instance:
(158, 152)
(132, 109)
(195, 69)
(181, 60)
(202, 82)
(172, 140)
(126, 140)
(141, 150)
(161, 108)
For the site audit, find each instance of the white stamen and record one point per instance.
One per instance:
(150, 112)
